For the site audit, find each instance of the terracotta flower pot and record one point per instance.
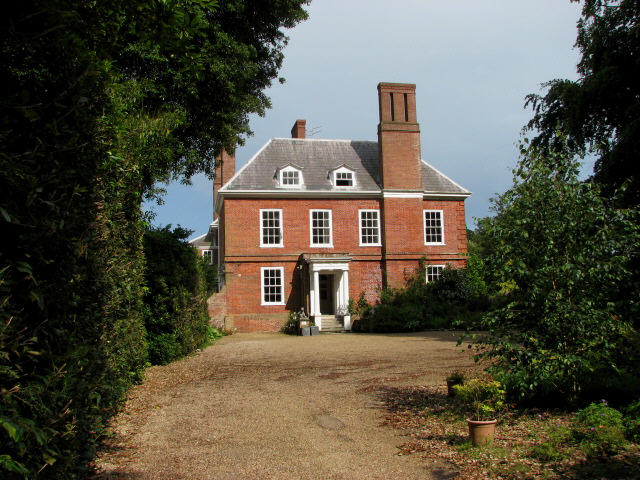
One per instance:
(481, 431)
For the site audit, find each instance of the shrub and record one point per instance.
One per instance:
(632, 421)
(599, 430)
(163, 348)
(481, 399)
(556, 447)
(454, 299)
(175, 304)
(291, 326)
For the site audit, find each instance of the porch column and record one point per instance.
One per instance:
(312, 293)
(315, 298)
(345, 296)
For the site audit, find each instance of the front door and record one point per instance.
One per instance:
(326, 295)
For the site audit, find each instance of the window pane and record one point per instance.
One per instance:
(432, 227)
(271, 227)
(272, 285)
(434, 272)
(320, 227)
(344, 179)
(369, 227)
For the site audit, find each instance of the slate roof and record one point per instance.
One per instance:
(316, 158)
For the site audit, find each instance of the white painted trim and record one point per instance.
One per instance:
(329, 267)
(210, 250)
(262, 270)
(198, 238)
(290, 168)
(426, 279)
(424, 227)
(281, 220)
(323, 245)
(303, 193)
(445, 176)
(446, 196)
(343, 169)
(390, 194)
(360, 228)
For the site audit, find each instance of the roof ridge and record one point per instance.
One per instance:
(345, 140)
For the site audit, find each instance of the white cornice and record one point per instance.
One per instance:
(445, 196)
(401, 194)
(300, 193)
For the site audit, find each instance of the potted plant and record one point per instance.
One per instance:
(456, 378)
(313, 328)
(482, 399)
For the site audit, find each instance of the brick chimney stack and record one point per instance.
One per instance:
(299, 129)
(399, 137)
(225, 169)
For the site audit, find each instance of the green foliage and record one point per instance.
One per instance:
(567, 329)
(556, 447)
(632, 421)
(454, 300)
(291, 326)
(176, 316)
(601, 110)
(482, 399)
(101, 101)
(599, 430)
(456, 377)
(210, 276)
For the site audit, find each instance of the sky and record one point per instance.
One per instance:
(472, 62)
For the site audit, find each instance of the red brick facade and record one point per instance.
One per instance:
(401, 204)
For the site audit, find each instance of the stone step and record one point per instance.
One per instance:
(331, 324)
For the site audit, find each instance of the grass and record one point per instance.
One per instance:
(529, 444)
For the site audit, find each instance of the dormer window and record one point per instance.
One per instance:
(290, 177)
(343, 177)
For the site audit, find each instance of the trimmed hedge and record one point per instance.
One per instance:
(176, 316)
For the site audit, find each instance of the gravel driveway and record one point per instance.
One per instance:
(271, 406)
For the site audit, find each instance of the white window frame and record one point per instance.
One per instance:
(360, 212)
(439, 275)
(424, 226)
(320, 245)
(210, 252)
(290, 169)
(334, 175)
(261, 227)
(262, 286)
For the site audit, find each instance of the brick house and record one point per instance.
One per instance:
(308, 223)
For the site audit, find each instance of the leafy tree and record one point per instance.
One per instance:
(570, 327)
(101, 101)
(600, 112)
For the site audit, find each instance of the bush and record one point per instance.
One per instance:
(163, 348)
(291, 326)
(632, 421)
(599, 430)
(175, 304)
(555, 448)
(481, 399)
(453, 300)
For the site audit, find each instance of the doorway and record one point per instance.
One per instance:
(325, 292)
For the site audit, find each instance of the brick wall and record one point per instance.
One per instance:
(369, 269)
